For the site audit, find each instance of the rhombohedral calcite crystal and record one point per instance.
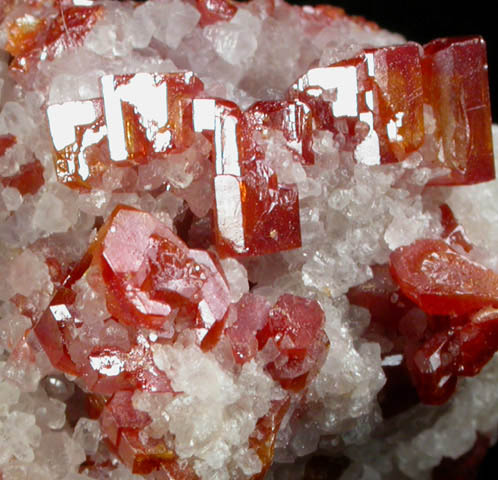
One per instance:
(242, 241)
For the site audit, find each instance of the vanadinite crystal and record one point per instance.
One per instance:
(230, 240)
(156, 292)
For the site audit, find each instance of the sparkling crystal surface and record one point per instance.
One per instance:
(32, 39)
(231, 246)
(438, 309)
(155, 288)
(442, 281)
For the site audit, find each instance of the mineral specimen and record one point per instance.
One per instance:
(230, 240)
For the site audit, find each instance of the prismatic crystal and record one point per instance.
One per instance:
(200, 325)
(155, 291)
(379, 104)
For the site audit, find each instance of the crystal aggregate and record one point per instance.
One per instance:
(211, 276)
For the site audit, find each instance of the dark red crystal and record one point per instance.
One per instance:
(32, 39)
(213, 11)
(442, 281)
(6, 142)
(456, 87)
(28, 180)
(293, 119)
(438, 313)
(254, 213)
(154, 288)
(152, 278)
(295, 326)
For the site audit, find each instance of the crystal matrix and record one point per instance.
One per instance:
(237, 234)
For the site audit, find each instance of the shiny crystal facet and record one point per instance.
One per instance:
(442, 281)
(148, 114)
(155, 288)
(456, 87)
(377, 101)
(438, 312)
(254, 213)
(32, 39)
(293, 119)
(79, 138)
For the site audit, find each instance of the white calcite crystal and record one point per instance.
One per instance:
(215, 414)
(351, 215)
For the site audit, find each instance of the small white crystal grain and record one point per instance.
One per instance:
(12, 198)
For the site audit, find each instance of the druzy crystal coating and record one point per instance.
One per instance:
(438, 306)
(378, 97)
(155, 289)
(220, 266)
(382, 97)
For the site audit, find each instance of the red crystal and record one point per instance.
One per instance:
(252, 315)
(478, 341)
(78, 134)
(432, 368)
(397, 80)
(376, 101)
(118, 413)
(382, 298)
(28, 180)
(382, 88)
(293, 119)
(254, 214)
(213, 11)
(456, 351)
(442, 281)
(456, 86)
(265, 434)
(6, 142)
(149, 114)
(152, 282)
(31, 39)
(453, 232)
(122, 425)
(438, 311)
(295, 326)
(152, 278)
(292, 329)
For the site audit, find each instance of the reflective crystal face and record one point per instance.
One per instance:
(385, 100)
(151, 289)
(147, 289)
(31, 39)
(438, 307)
(456, 87)
(398, 92)
(383, 105)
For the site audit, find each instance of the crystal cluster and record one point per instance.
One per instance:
(234, 235)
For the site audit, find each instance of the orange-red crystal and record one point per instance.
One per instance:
(152, 282)
(31, 39)
(438, 308)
